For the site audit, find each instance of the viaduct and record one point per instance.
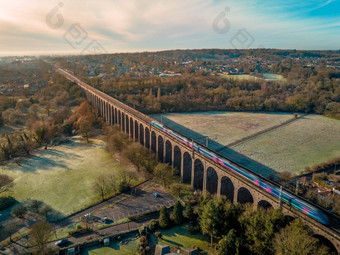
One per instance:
(201, 172)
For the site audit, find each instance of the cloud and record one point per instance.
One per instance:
(160, 24)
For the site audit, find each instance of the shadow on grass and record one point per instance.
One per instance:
(48, 159)
(228, 153)
(174, 237)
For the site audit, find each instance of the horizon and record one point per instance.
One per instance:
(85, 27)
(38, 54)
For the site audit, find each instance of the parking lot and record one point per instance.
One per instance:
(127, 205)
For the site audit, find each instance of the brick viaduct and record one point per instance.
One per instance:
(201, 172)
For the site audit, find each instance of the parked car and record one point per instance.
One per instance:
(61, 242)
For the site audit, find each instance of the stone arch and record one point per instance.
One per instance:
(136, 130)
(127, 124)
(116, 116)
(141, 134)
(187, 167)
(131, 127)
(198, 174)
(112, 115)
(119, 118)
(147, 137)
(264, 204)
(177, 158)
(153, 141)
(328, 243)
(212, 180)
(227, 188)
(168, 152)
(244, 196)
(123, 122)
(160, 148)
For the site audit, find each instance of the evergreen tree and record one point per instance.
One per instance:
(164, 219)
(189, 212)
(229, 244)
(178, 213)
(208, 220)
(268, 221)
(297, 238)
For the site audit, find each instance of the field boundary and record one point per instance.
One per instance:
(247, 138)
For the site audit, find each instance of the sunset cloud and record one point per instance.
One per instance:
(134, 25)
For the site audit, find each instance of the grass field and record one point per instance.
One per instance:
(179, 236)
(310, 140)
(226, 127)
(273, 77)
(115, 248)
(240, 77)
(266, 76)
(304, 142)
(62, 176)
(176, 236)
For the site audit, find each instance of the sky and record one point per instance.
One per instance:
(106, 26)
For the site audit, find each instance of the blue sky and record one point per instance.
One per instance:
(77, 27)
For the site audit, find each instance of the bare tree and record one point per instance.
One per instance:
(10, 228)
(101, 186)
(39, 235)
(6, 183)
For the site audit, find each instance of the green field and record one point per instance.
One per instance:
(304, 142)
(310, 140)
(273, 77)
(62, 176)
(266, 76)
(115, 248)
(179, 236)
(240, 77)
(176, 236)
(226, 127)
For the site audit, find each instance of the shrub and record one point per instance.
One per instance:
(6, 202)
(153, 225)
(164, 219)
(33, 205)
(158, 235)
(141, 216)
(78, 226)
(193, 228)
(19, 211)
(178, 213)
(79, 231)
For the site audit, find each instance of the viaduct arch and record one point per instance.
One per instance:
(201, 172)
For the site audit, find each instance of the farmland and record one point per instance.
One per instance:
(226, 127)
(62, 176)
(310, 140)
(304, 142)
(248, 77)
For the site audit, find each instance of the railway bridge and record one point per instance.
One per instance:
(196, 169)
